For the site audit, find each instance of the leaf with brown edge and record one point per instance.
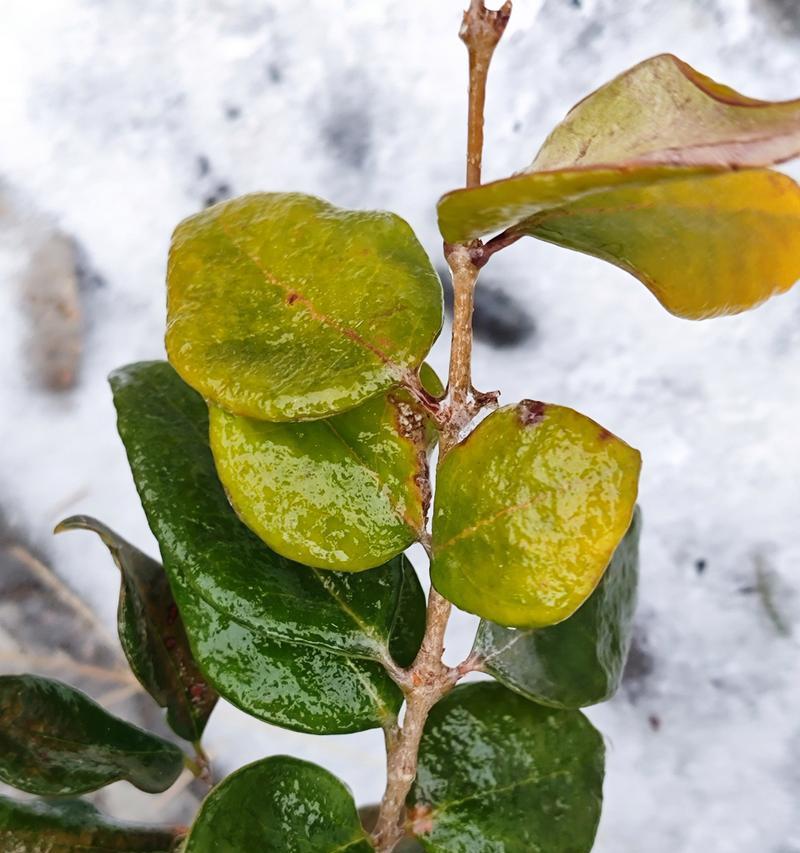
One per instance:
(663, 111)
(283, 307)
(653, 173)
(529, 509)
(347, 492)
(704, 243)
(152, 634)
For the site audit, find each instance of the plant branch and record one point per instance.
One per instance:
(481, 30)
(428, 678)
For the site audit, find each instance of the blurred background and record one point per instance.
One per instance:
(119, 118)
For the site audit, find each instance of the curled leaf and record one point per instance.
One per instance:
(70, 826)
(152, 634)
(653, 174)
(664, 111)
(54, 740)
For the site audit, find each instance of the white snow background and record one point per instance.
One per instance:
(120, 117)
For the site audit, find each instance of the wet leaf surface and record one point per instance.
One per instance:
(347, 492)
(704, 243)
(152, 634)
(293, 645)
(580, 661)
(650, 173)
(499, 773)
(71, 826)
(279, 805)
(284, 307)
(664, 111)
(55, 741)
(529, 509)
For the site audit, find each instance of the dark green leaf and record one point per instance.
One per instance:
(54, 741)
(152, 634)
(284, 307)
(278, 805)
(578, 662)
(347, 492)
(498, 773)
(278, 613)
(71, 826)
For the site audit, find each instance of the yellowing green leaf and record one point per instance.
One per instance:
(348, 492)
(580, 661)
(664, 111)
(705, 244)
(283, 307)
(647, 173)
(529, 509)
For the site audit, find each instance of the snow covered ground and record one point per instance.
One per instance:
(118, 118)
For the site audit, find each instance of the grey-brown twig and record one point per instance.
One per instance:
(428, 678)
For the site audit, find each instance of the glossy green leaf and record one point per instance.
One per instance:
(347, 492)
(278, 805)
(646, 173)
(152, 634)
(284, 307)
(498, 773)
(71, 826)
(664, 111)
(253, 617)
(578, 662)
(54, 741)
(529, 509)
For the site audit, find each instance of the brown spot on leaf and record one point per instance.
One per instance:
(531, 412)
(605, 435)
(420, 819)
(292, 297)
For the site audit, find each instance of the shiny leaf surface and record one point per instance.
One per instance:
(347, 492)
(647, 174)
(279, 805)
(704, 243)
(664, 111)
(71, 826)
(252, 616)
(529, 509)
(283, 307)
(152, 634)
(498, 773)
(578, 662)
(54, 741)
